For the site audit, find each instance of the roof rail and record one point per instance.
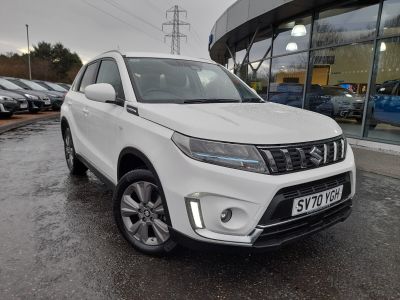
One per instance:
(119, 52)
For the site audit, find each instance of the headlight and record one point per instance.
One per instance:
(237, 156)
(31, 97)
(2, 98)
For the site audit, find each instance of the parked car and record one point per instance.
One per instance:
(192, 161)
(36, 100)
(386, 103)
(7, 106)
(50, 86)
(286, 93)
(345, 103)
(56, 98)
(22, 102)
(64, 85)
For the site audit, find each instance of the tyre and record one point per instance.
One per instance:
(34, 110)
(75, 166)
(139, 212)
(6, 115)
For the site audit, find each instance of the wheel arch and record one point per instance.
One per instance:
(140, 161)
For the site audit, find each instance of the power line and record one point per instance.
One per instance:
(121, 8)
(175, 35)
(118, 19)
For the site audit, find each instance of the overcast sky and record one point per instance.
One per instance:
(90, 27)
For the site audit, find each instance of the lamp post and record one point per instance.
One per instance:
(29, 51)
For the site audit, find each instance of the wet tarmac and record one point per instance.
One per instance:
(58, 240)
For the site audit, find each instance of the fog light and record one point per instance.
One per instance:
(226, 215)
(194, 210)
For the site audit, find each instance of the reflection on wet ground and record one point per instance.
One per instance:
(58, 240)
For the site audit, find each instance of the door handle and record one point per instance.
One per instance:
(85, 111)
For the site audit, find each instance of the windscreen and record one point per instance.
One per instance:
(33, 85)
(337, 91)
(56, 87)
(182, 81)
(9, 85)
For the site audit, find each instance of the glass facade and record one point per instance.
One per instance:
(342, 61)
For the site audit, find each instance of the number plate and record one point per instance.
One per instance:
(47, 102)
(24, 105)
(316, 201)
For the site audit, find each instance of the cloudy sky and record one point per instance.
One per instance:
(90, 27)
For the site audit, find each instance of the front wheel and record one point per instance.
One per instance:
(140, 213)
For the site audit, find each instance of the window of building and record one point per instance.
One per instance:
(109, 73)
(350, 22)
(258, 77)
(339, 81)
(88, 77)
(261, 47)
(390, 20)
(230, 64)
(383, 114)
(288, 75)
(292, 36)
(239, 56)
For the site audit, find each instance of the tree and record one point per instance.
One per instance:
(49, 62)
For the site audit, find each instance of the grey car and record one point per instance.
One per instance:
(55, 97)
(23, 104)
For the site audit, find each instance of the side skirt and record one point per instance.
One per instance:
(110, 185)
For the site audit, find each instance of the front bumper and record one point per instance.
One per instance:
(8, 106)
(273, 238)
(248, 195)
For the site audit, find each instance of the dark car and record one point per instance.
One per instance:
(286, 93)
(51, 86)
(36, 100)
(64, 85)
(7, 106)
(23, 104)
(56, 102)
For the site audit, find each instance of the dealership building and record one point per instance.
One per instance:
(338, 58)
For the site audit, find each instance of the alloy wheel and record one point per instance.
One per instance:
(143, 214)
(69, 149)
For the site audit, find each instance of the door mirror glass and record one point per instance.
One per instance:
(100, 92)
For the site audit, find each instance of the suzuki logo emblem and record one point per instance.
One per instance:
(316, 156)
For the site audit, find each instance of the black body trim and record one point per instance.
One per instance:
(265, 243)
(96, 172)
(276, 236)
(280, 208)
(149, 166)
(132, 110)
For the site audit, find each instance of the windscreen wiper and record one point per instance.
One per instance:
(253, 100)
(216, 100)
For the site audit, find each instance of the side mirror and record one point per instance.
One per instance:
(100, 92)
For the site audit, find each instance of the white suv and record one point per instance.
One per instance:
(196, 157)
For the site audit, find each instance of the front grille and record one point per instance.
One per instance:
(282, 159)
(280, 234)
(280, 208)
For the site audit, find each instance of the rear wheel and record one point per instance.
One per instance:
(140, 213)
(75, 166)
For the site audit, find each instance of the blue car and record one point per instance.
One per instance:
(387, 103)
